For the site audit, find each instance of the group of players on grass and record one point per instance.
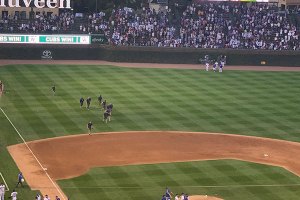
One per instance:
(168, 196)
(218, 64)
(103, 104)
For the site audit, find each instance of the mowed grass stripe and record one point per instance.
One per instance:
(227, 178)
(68, 101)
(26, 116)
(42, 100)
(251, 103)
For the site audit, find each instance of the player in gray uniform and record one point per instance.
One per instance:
(90, 127)
(110, 108)
(88, 102)
(106, 116)
(104, 105)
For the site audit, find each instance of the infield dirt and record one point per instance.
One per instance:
(67, 157)
(71, 156)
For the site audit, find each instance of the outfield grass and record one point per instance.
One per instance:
(234, 180)
(251, 103)
(264, 104)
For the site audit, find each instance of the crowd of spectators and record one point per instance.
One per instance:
(143, 28)
(258, 26)
(204, 25)
(42, 23)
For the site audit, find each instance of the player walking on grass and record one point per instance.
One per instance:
(88, 102)
(20, 179)
(104, 105)
(81, 100)
(100, 100)
(1, 87)
(215, 66)
(2, 191)
(206, 60)
(110, 108)
(53, 88)
(38, 197)
(106, 116)
(182, 196)
(220, 68)
(168, 194)
(90, 127)
(13, 195)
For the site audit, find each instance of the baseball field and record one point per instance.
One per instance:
(231, 135)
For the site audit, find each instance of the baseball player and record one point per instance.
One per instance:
(81, 100)
(220, 67)
(57, 198)
(38, 197)
(110, 108)
(106, 116)
(104, 105)
(206, 59)
(163, 197)
(186, 197)
(2, 191)
(182, 196)
(90, 127)
(88, 102)
(222, 61)
(168, 194)
(46, 197)
(13, 195)
(176, 197)
(100, 100)
(1, 86)
(215, 66)
(53, 89)
(20, 179)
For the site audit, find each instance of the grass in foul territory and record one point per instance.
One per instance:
(264, 104)
(227, 179)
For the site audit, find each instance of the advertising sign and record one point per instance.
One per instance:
(36, 3)
(98, 39)
(45, 39)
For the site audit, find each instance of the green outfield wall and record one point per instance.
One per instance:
(147, 54)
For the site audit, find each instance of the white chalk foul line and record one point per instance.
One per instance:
(24, 141)
(186, 186)
(7, 188)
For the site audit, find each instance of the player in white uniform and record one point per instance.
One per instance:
(46, 197)
(14, 195)
(182, 196)
(206, 58)
(2, 191)
(177, 197)
(38, 197)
